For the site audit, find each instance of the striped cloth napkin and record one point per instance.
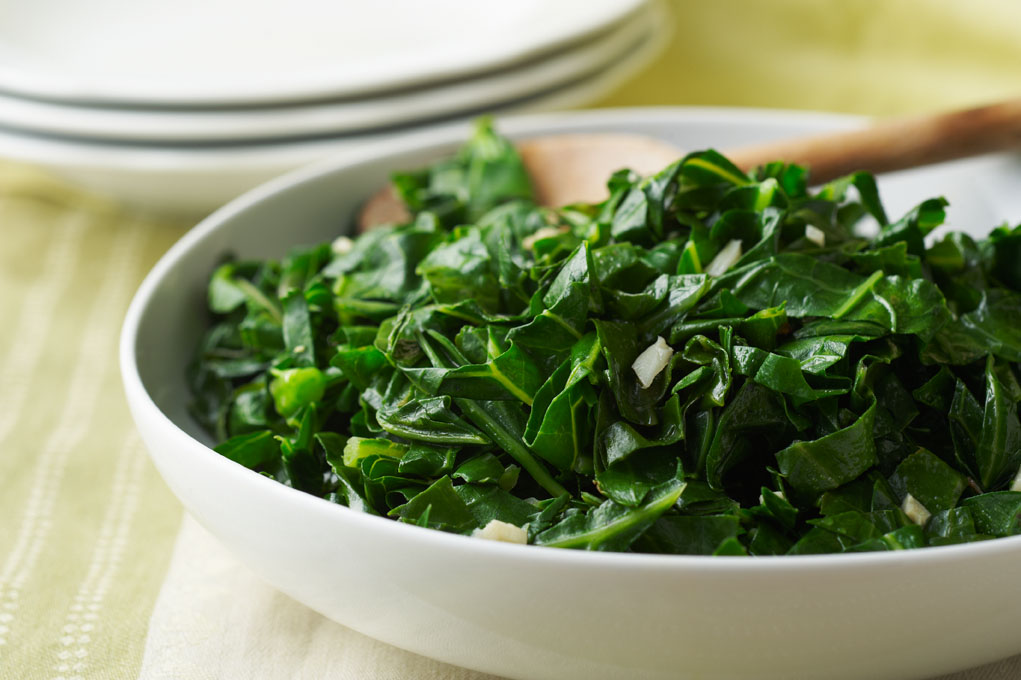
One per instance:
(86, 525)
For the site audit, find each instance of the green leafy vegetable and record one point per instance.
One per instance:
(598, 378)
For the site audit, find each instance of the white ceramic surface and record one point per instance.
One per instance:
(359, 115)
(234, 52)
(197, 179)
(542, 613)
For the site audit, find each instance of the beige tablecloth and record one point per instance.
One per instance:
(100, 577)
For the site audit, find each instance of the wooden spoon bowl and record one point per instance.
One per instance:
(571, 168)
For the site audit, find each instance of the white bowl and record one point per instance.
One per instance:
(529, 612)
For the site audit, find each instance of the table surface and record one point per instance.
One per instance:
(101, 576)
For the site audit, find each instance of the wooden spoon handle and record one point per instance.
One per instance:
(895, 144)
(569, 168)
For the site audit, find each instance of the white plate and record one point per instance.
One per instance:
(332, 118)
(242, 52)
(181, 179)
(545, 613)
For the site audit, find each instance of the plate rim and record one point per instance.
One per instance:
(102, 124)
(601, 16)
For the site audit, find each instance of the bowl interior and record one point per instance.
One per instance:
(522, 628)
(174, 319)
(320, 203)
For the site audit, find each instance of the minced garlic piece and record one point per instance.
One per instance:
(653, 360)
(725, 259)
(341, 245)
(815, 235)
(543, 232)
(501, 531)
(915, 511)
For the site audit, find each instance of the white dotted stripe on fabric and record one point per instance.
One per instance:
(75, 416)
(107, 555)
(39, 310)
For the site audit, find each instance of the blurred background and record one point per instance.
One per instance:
(178, 108)
(873, 57)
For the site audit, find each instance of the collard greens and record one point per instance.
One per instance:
(826, 391)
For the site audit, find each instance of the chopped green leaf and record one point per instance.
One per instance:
(708, 362)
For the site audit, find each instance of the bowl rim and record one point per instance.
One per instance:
(438, 141)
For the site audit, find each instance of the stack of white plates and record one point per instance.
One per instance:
(183, 105)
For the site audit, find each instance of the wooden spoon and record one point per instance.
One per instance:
(572, 168)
